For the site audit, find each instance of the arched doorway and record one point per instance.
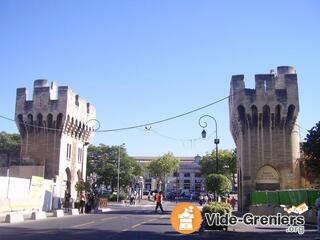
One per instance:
(79, 174)
(68, 179)
(267, 178)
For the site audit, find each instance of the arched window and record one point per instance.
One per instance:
(49, 120)
(290, 114)
(68, 172)
(59, 121)
(30, 119)
(39, 120)
(266, 116)
(20, 119)
(278, 115)
(21, 124)
(242, 116)
(79, 174)
(254, 113)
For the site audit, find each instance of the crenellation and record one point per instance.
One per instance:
(262, 122)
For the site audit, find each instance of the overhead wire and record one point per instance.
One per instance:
(134, 126)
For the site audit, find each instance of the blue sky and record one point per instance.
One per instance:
(142, 61)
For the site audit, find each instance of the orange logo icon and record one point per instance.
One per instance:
(186, 218)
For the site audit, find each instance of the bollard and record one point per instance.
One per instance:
(58, 213)
(14, 218)
(38, 215)
(74, 211)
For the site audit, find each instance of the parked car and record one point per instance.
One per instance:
(146, 192)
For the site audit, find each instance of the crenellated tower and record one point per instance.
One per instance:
(263, 123)
(55, 127)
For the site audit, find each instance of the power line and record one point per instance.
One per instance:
(135, 126)
(178, 139)
(166, 119)
(10, 119)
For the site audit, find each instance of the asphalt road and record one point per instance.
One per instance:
(130, 223)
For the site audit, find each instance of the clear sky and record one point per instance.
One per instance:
(142, 61)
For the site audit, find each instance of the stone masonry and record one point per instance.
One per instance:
(56, 127)
(263, 123)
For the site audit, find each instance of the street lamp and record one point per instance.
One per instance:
(118, 185)
(204, 134)
(140, 187)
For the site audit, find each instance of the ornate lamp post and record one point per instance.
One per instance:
(140, 187)
(204, 124)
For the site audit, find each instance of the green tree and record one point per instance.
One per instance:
(82, 186)
(311, 149)
(227, 163)
(9, 145)
(218, 183)
(103, 161)
(161, 167)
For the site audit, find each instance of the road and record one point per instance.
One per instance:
(129, 223)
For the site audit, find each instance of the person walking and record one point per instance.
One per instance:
(159, 200)
(82, 202)
(206, 199)
(233, 202)
(67, 197)
(132, 198)
(201, 200)
(149, 196)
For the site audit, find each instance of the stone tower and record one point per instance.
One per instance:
(56, 127)
(263, 124)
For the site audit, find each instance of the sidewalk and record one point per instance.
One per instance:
(26, 215)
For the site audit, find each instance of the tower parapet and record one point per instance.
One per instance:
(52, 108)
(263, 123)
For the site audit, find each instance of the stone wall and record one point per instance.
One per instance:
(263, 123)
(22, 171)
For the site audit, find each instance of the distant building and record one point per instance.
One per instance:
(55, 129)
(263, 123)
(188, 177)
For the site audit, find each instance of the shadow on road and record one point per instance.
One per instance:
(94, 234)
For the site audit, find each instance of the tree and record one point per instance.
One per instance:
(9, 145)
(311, 149)
(218, 183)
(227, 163)
(103, 160)
(82, 186)
(161, 167)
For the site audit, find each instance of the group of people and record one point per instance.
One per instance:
(87, 201)
(205, 199)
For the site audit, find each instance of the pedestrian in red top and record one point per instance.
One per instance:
(233, 202)
(82, 202)
(159, 199)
